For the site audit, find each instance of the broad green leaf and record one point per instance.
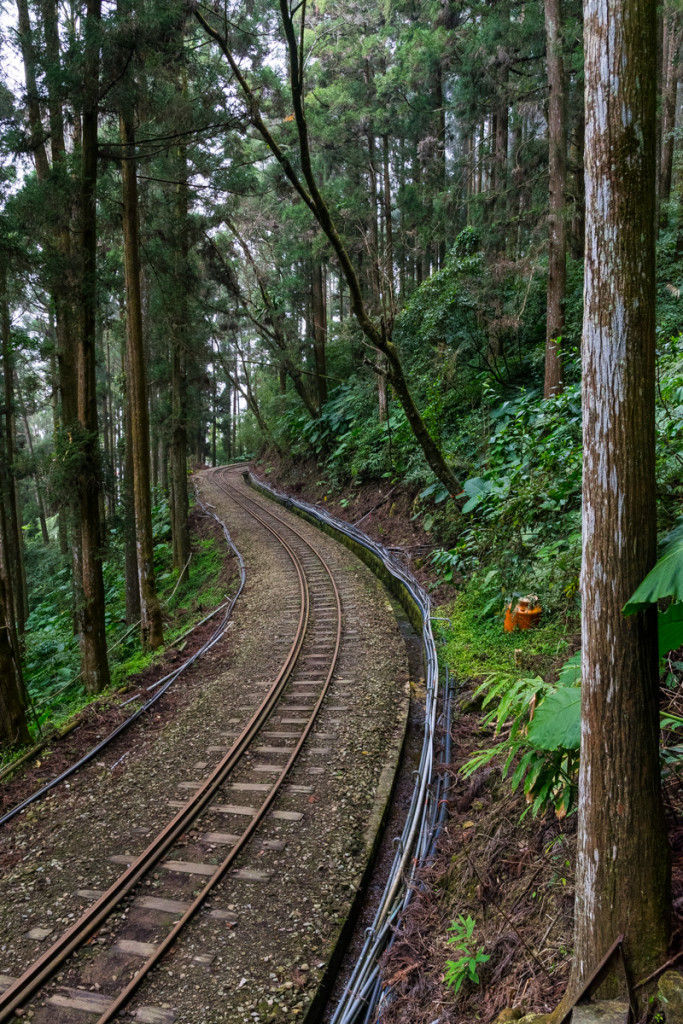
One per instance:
(666, 579)
(521, 768)
(557, 722)
(476, 486)
(670, 628)
(570, 673)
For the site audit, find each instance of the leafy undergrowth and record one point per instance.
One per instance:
(52, 657)
(475, 643)
(513, 877)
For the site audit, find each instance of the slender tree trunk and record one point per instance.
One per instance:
(388, 225)
(623, 874)
(439, 222)
(670, 77)
(15, 535)
(62, 532)
(501, 162)
(151, 625)
(373, 233)
(319, 332)
(37, 140)
(92, 634)
(235, 416)
(227, 400)
(53, 58)
(578, 226)
(13, 727)
(129, 539)
(36, 482)
(557, 228)
(178, 452)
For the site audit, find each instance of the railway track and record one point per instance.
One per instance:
(279, 727)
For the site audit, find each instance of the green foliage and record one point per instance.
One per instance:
(670, 628)
(51, 663)
(666, 579)
(544, 764)
(469, 955)
(557, 721)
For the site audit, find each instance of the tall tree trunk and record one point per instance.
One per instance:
(129, 539)
(53, 59)
(439, 223)
(90, 613)
(557, 228)
(622, 875)
(670, 76)
(62, 532)
(178, 451)
(578, 226)
(319, 332)
(13, 727)
(388, 228)
(37, 140)
(15, 534)
(151, 626)
(501, 162)
(36, 481)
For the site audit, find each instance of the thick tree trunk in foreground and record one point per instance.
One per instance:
(90, 613)
(151, 626)
(622, 874)
(557, 228)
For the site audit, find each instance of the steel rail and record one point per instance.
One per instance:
(41, 969)
(125, 995)
(413, 845)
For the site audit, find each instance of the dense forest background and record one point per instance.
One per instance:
(358, 244)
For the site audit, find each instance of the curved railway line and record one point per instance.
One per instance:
(317, 633)
(188, 870)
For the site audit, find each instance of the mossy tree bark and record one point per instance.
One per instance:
(622, 872)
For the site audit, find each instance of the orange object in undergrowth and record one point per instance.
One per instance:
(526, 614)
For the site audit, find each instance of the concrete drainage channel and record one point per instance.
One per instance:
(363, 998)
